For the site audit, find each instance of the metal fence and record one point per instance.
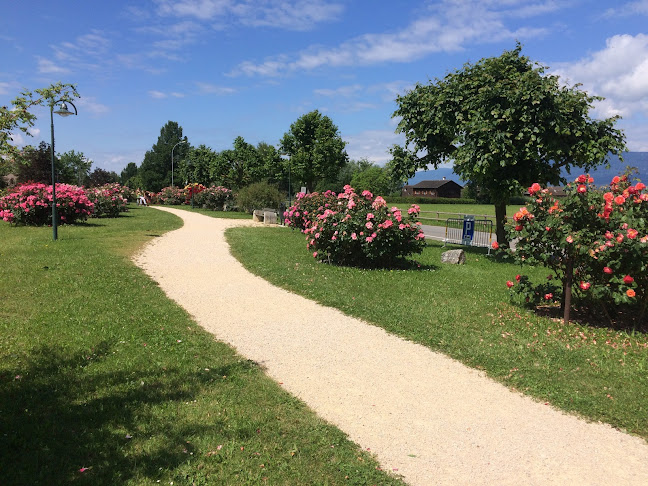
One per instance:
(469, 231)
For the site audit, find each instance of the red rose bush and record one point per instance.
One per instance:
(595, 240)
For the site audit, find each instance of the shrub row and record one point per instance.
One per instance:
(31, 203)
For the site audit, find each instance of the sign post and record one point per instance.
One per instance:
(468, 230)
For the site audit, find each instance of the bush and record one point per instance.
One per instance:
(359, 230)
(31, 204)
(258, 196)
(597, 239)
(216, 198)
(109, 200)
(171, 196)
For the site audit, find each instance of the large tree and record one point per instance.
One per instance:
(239, 167)
(74, 168)
(195, 166)
(128, 173)
(505, 124)
(315, 148)
(155, 171)
(99, 177)
(36, 164)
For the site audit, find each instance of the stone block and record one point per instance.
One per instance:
(457, 257)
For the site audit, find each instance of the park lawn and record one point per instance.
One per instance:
(106, 381)
(437, 214)
(463, 311)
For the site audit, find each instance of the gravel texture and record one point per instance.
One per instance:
(425, 416)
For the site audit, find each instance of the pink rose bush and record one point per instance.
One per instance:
(31, 204)
(353, 229)
(109, 200)
(216, 198)
(171, 196)
(595, 239)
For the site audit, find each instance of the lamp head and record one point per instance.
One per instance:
(63, 110)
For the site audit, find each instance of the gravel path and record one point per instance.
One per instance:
(425, 416)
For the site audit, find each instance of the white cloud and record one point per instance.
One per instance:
(206, 88)
(341, 92)
(447, 27)
(619, 72)
(46, 66)
(630, 8)
(157, 94)
(372, 144)
(89, 104)
(285, 14)
(160, 95)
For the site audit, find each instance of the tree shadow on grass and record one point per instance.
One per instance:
(60, 413)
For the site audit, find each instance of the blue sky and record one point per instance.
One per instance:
(224, 68)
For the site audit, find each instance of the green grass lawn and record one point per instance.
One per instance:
(99, 370)
(463, 311)
(437, 214)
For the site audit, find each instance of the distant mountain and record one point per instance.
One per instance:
(601, 176)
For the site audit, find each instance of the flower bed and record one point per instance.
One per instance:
(31, 204)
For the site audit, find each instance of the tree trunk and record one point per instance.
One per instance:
(567, 289)
(500, 219)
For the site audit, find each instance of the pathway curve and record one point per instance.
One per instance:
(428, 417)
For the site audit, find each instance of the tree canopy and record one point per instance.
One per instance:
(505, 124)
(315, 148)
(18, 117)
(155, 171)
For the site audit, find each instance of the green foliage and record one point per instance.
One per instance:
(128, 173)
(18, 116)
(505, 124)
(238, 167)
(596, 239)
(74, 168)
(357, 230)
(374, 179)
(315, 148)
(101, 177)
(36, 164)
(155, 170)
(194, 167)
(258, 196)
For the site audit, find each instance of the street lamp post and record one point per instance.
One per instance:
(63, 111)
(181, 141)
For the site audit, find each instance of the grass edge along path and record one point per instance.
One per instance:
(107, 381)
(462, 311)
